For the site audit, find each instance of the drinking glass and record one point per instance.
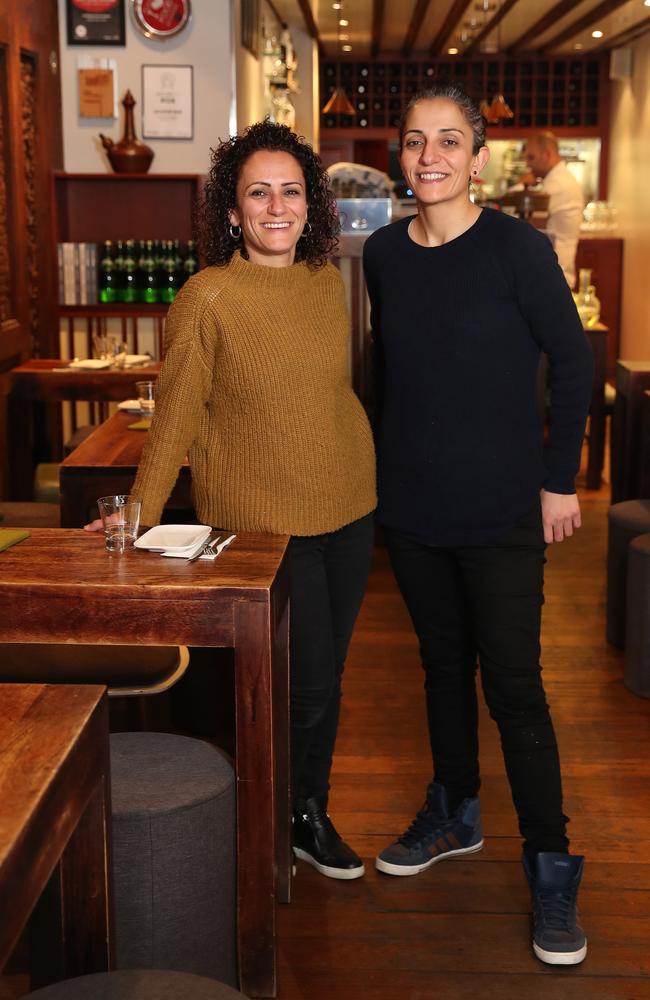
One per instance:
(120, 516)
(146, 397)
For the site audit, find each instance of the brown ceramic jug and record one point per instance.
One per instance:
(129, 155)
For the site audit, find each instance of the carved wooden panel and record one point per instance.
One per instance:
(28, 120)
(5, 266)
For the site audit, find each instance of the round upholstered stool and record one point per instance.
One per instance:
(626, 520)
(137, 984)
(637, 617)
(174, 859)
(25, 514)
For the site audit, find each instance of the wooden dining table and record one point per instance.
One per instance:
(54, 829)
(105, 464)
(63, 586)
(43, 381)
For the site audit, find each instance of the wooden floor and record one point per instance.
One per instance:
(462, 929)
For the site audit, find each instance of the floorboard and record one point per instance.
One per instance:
(463, 928)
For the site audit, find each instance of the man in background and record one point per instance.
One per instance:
(566, 198)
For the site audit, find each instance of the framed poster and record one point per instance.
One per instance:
(95, 22)
(167, 102)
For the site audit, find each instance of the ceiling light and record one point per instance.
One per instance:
(336, 6)
(343, 22)
(346, 48)
(452, 52)
(596, 34)
(646, 3)
(344, 38)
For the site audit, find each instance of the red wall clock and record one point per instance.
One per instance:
(161, 18)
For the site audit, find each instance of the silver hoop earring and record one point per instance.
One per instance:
(306, 229)
(234, 235)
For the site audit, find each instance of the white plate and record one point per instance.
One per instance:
(133, 405)
(91, 363)
(173, 537)
(136, 359)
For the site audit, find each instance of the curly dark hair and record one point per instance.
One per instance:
(219, 194)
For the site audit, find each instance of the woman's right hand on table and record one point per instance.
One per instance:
(94, 525)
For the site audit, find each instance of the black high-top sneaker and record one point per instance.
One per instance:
(316, 841)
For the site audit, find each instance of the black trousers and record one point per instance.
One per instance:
(485, 601)
(328, 578)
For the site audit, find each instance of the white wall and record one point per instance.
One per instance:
(629, 189)
(205, 44)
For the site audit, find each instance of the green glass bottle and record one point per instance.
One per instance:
(148, 291)
(106, 279)
(129, 290)
(170, 282)
(190, 264)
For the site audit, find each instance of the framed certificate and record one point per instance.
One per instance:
(167, 102)
(95, 22)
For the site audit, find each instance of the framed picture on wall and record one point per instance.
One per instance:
(167, 102)
(95, 22)
(250, 26)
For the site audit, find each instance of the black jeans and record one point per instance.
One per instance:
(328, 579)
(485, 601)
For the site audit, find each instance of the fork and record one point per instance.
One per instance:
(214, 538)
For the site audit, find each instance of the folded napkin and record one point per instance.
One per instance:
(139, 425)
(11, 536)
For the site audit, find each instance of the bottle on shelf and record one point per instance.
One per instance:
(170, 282)
(129, 289)
(586, 300)
(190, 264)
(107, 284)
(148, 288)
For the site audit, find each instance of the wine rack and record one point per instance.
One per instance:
(543, 93)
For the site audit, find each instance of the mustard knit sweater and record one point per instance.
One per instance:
(254, 388)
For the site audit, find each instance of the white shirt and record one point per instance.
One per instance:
(565, 207)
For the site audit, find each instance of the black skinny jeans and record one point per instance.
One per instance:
(485, 601)
(328, 578)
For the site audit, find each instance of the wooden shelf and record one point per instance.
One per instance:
(91, 208)
(116, 309)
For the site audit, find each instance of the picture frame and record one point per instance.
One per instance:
(250, 26)
(105, 24)
(167, 102)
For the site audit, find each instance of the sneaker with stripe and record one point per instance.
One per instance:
(434, 835)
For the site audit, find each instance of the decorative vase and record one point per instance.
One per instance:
(586, 300)
(129, 155)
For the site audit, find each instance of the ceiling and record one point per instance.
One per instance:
(473, 27)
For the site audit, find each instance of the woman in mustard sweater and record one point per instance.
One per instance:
(255, 389)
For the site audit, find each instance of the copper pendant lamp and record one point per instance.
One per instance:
(497, 111)
(339, 104)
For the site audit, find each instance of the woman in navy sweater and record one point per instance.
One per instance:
(463, 301)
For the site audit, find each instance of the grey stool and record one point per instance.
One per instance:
(626, 520)
(174, 856)
(637, 628)
(137, 984)
(27, 514)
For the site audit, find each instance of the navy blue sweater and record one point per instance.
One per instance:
(457, 332)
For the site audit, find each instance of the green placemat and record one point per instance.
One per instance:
(139, 425)
(11, 536)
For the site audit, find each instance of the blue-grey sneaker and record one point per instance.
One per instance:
(434, 835)
(554, 879)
